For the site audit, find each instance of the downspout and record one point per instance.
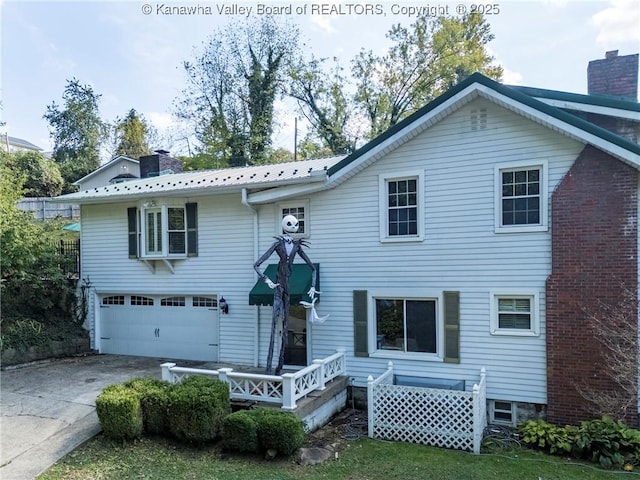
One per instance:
(256, 237)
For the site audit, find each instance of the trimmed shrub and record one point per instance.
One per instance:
(119, 412)
(197, 408)
(154, 402)
(278, 430)
(240, 432)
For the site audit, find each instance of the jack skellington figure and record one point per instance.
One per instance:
(286, 247)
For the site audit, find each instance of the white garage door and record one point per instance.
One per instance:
(167, 326)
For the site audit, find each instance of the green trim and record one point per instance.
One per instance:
(132, 229)
(360, 323)
(299, 285)
(608, 101)
(451, 327)
(507, 91)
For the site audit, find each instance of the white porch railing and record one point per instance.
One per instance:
(284, 389)
(430, 416)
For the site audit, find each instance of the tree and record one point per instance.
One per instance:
(232, 88)
(132, 135)
(77, 131)
(42, 176)
(322, 100)
(615, 326)
(423, 61)
(32, 282)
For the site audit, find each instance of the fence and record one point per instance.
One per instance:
(284, 389)
(44, 209)
(69, 253)
(430, 416)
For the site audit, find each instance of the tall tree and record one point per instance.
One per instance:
(77, 131)
(132, 135)
(232, 88)
(322, 99)
(424, 60)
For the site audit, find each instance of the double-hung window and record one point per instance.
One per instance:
(300, 210)
(406, 325)
(164, 231)
(401, 207)
(514, 314)
(521, 198)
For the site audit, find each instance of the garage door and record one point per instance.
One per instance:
(167, 326)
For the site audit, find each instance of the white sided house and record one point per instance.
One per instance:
(436, 246)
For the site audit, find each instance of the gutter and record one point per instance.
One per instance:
(256, 253)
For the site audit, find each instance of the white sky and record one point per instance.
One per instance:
(135, 59)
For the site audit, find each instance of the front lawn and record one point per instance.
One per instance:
(363, 459)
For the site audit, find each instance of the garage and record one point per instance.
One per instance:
(163, 326)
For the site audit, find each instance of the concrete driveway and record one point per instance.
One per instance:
(48, 409)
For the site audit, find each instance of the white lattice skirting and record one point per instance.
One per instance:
(429, 416)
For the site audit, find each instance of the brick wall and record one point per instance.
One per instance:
(594, 214)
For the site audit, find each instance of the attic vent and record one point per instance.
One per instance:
(478, 119)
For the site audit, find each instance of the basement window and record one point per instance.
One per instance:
(503, 413)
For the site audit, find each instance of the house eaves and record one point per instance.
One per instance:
(209, 182)
(473, 87)
(600, 104)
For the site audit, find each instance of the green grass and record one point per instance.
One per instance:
(364, 459)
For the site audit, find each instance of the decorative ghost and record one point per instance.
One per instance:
(287, 248)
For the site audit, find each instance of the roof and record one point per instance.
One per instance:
(109, 164)
(304, 177)
(21, 143)
(207, 182)
(478, 85)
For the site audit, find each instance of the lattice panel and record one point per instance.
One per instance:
(426, 416)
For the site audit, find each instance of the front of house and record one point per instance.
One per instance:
(464, 237)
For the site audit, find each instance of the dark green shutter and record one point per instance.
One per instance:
(132, 216)
(452, 327)
(360, 323)
(192, 229)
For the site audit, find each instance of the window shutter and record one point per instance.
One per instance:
(452, 327)
(360, 323)
(192, 229)
(132, 217)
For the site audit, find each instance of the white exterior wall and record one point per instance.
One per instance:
(102, 178)
(460, 250)
(222, 267)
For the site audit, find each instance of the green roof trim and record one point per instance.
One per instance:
(608, 101)
(508, 91)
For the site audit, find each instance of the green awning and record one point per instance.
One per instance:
(299, 285)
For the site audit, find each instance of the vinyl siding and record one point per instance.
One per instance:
(460, 250)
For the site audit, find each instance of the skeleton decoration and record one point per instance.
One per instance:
(287, 248)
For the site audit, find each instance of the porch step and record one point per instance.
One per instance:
(316, 399)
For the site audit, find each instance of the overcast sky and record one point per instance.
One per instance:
(131, 52)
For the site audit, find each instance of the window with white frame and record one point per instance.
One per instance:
(521, 200)
(401, 209)
(513, 314)
(503, 413)
(406, 325)
(300, 210)
(164, 232)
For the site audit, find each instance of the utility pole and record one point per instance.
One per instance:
(295, 139)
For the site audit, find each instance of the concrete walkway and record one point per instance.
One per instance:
(48, 409)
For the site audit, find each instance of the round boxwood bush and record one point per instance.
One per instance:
(154, 401)
(240, 432)
(197, 408)
(119, 411)
(278, 430)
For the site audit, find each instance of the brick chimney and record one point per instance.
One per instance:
(614, 75)
(159, 163)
